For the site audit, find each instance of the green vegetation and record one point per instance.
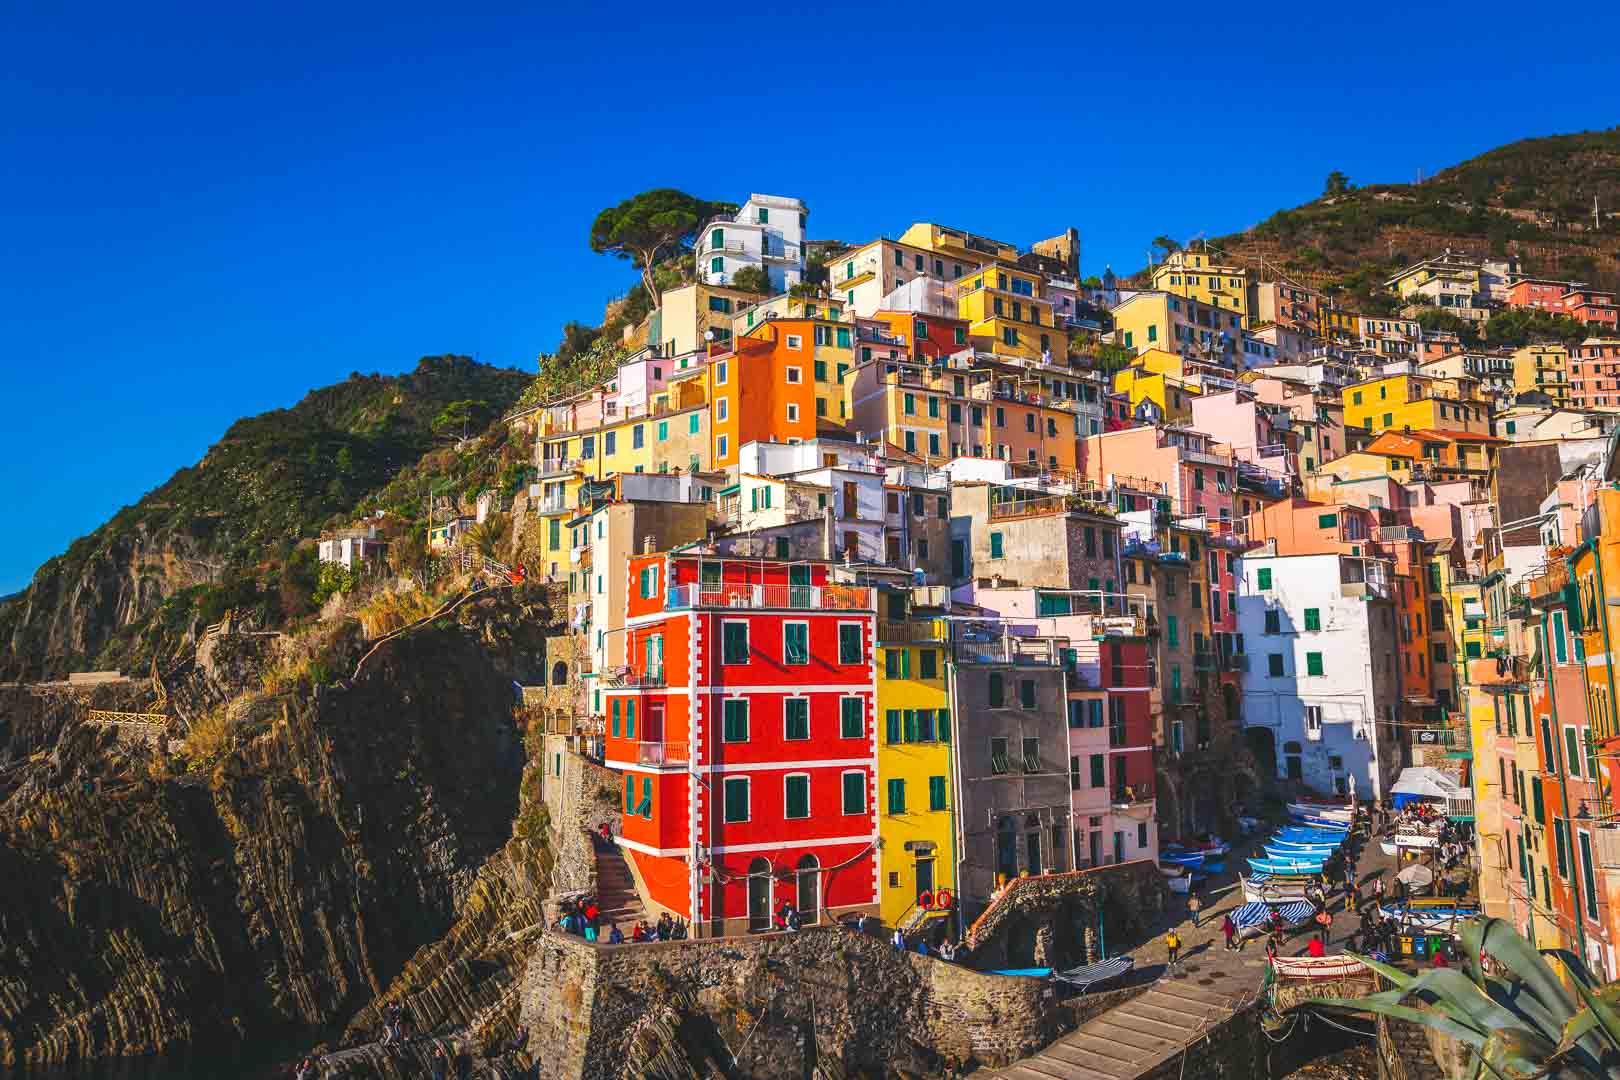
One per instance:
(1516, 1019)
(754, 279)
(649, 227)
(1507, 329)
(243, 516)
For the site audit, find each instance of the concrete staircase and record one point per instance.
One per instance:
(616, 893)
(1139, 1035)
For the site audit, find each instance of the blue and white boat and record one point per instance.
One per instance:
(1293, 851)
(1286, 866)
(1181, 856)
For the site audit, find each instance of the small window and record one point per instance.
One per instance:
(734, 725)
(995, 692)
(1313, 663)
(851, 718)
(796, 796)
(736, 799)
(897, 796)
(995, 545)
(1026, 693)
(1274, 665)
(1327, 521)
(855, 793)
(734, 643)
(1262, 578)
(796, 718)
(1313, 618)
(849, 644)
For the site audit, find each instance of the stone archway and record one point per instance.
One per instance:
(1262, 745)
(1021, 943)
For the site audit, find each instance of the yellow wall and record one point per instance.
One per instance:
(1193, 275)
(1382, 405)
(1544, 368)
(1494, 866)
(988, 299)
(914, 763)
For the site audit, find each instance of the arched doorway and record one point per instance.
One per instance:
(759, 894)
(1294, 756)
(559, 673)
(1263, 745)
(1007, 848)
(809, 889)
(1021, 944)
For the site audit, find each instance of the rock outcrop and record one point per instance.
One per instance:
(348, 837)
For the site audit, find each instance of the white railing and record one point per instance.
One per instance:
(795, 597)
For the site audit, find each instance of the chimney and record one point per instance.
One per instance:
(649, 544)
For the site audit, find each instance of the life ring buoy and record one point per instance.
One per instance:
(926, 901)
(943, 898)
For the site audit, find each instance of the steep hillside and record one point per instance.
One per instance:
(1532, 198)
(222, 533)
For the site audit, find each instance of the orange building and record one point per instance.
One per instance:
(763, 390)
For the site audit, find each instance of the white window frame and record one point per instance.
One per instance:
(793, 412)
(860, 628)
(1313, 721)
(748, 786)
(851, 697)
(722, 408)
(720, 370)
(720, 445)
(866, 798)
(796, 697)
(795, 342)
(1573, 768)
(808, 814)
(792, 374)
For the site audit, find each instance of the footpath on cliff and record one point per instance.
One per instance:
(1176, 1014)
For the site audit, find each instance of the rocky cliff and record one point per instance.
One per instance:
(346, 837)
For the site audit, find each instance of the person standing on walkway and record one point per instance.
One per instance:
(1196, 906)
(1229, 928)
(1172, 944)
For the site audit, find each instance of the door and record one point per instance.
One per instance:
(1032, 852)
(655, 658)
(852, 502)
(1096, 849)
(925, 877)
(1296, 769)
(759, 895)
(1119, 847)
(1007, 850)
(809, 889)
(958, 559)
(799, 579)
(652, 729)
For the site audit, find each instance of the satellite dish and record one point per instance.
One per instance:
(708, 335)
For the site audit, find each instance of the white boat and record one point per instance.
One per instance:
(1416, 840)
(1431, 915)
(1181, 884)
(1388, 847)
(1272, 892)
(1330, 811)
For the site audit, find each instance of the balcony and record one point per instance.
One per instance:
(559, 466)
(625, 679)
(1131, 795)
(1009, 649)
(879, 337)
(1236, 662)
(554, 503)
(766, 597)
(662, 753)
(909, 631)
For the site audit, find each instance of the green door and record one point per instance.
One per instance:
(799, 579)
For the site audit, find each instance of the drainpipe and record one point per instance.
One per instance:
(951, 676)
(1563, 787)
(1603, 608)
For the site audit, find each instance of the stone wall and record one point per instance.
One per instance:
(578, 799)
(779, 1003)
(1406, 1051)
(1234, 1049)
(1052, 921)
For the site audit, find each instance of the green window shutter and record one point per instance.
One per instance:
(1263, 578)
(852, 718)
(629, 794)
(1560, 648)
(1561, 843)
(663, 430)
(736, 799)
(613, 711)
(1313, 663)
(936, 793)
(1273, 621)
(891, 663)
(797, 797)
(849, 644)
(854, 793)
(909, 718)
(1327, 521)
(891, 726)
(1537, 800)
(1172, 631)
(1274, 665)
(897, 796)
(555, 531)
(1572, 752)
(1026, 693)
(843, 337)
(797, 718)
(995, 694)
(1099, 770)
(646, 798)
(734, 649)
(905, 663)
(630, 718)
(692, 424)
(1313, 618)
(735, 725)
(1589, 884)
(995, 545)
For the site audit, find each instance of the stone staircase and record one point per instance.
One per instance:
(1138, 1036)
(616, 893)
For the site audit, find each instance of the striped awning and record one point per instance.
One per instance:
(1253, 914)
(1084, 977)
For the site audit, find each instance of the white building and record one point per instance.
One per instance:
(352, 547)
(767, 232)
(1319, 635)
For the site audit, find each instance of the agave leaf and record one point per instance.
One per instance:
(1514, 997)
(1456, 989)
(1518, 1052)
(1607, 1021)
(1575, 965)
(1394, 975)
(1498, 938)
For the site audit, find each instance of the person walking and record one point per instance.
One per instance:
(1195, 905)
(1172, 944)
(441, 1063)
(1229, 929)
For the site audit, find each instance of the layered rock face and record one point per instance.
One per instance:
(265, 902)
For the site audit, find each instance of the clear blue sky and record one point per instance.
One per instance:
(208, 211)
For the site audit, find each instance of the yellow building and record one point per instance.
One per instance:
(1543, 367)
(1415, 403)
(957, 243)
(1195, 275)
(914, 767)
(1160, 320)
(1172, 397)
(1495, 863)
(1006, 306)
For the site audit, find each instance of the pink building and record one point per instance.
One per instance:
(1255, 431)
(1593, 307)
(1543, 294)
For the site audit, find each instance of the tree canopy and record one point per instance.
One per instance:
(1337, 184)
(651, 226)
(754, 279)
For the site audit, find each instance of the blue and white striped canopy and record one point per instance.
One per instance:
(1254, 914)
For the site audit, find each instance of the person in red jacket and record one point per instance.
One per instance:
(1316, 948)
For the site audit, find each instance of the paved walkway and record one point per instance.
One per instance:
(1173, 1014)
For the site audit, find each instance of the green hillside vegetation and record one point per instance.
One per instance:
(238, 516)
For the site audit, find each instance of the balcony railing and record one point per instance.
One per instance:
(624, 679)
(793, 597)
(879, 337)
(1132, 795)
(1008, 649)
(906, 631)
(661, 753)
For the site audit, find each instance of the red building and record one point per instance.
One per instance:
(743, 727)
(1544, 294)
(1593, 307)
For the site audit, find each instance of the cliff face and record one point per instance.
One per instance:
(265, 902)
